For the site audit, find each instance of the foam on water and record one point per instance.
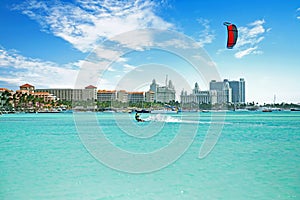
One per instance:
(171, 119)
(163, 118)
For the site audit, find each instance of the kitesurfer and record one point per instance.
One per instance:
(137, 117)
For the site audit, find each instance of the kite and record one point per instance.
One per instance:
(232, 34)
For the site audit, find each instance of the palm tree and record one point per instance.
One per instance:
(5, 98)
(2, 99)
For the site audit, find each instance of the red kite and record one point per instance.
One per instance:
(232, 34)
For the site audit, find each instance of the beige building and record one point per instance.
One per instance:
(89, 93)
(106, 95)
(122, 96)
(135, 97)
(149, 96)
(27, 87)
(46, 96)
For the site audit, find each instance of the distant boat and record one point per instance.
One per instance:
(276, 109)
(267, 110)
(295, 109)
(241, 110)
(142, 111)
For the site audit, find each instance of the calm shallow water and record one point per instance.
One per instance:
(256, 157)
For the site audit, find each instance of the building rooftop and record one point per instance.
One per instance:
(26, 85)
(135, 92)
(90, 87)
(106, 91)
(5, 89)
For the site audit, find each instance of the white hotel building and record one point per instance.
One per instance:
(219, 92)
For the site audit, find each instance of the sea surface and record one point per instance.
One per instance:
(257, 156)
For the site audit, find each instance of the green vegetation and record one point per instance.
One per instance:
(27, 103)
(5, 99)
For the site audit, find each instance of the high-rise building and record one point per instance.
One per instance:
(223, 89)
(238, 91)
(153, 88)
(242, 91)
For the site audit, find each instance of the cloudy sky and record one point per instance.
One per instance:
(46, 43)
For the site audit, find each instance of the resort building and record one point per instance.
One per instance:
(24, 89)
(90, 92)
(149, 96)
(27, 87)
(219, 92)
(26, 96)
(45, 96)
(5, 90)
(106, 95)
(163, 94)
(20, 93)
(223, 89)
(135, 97)
(122, 96)
(198, 96)
(72, 94)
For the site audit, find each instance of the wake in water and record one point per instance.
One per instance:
(162, 118)
(170, 119)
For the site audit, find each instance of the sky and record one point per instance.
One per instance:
(48, 43)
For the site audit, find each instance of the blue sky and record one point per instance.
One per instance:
(45, 43)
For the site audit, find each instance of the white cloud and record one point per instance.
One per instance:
(86, 22)
(135, 40)
(249, 38)
(104, 53)
(43, 74)
(128, 67)
(207, 35)
(20, 70)
(175, 43)
(245, 52)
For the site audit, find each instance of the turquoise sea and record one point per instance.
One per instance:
(256, 157)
